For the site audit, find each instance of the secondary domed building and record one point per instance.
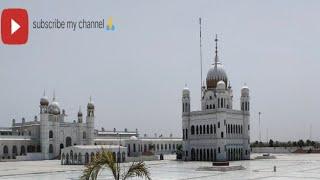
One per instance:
(217, 132)
(74, 139)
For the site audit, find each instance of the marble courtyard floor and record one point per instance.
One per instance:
(289, 166)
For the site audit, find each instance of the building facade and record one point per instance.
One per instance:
(46, 137)
(217, 132)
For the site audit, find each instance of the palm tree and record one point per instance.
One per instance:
(105, 159)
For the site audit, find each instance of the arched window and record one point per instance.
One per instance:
(207, 129)
(221, 134)
(214, 129)
(211, 129)
(192, 130)
(50, 134)
(210, 106)
(210, 97)
(197, 130)
(50, 148)
(165, 146)
(5, 150)
(84, 135)
(186, 133)
(218, 124)
(200, 129)
(214, 106)
(207, 106)
(218, 102)
(204, 129)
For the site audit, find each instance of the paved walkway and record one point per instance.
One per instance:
(289, 166)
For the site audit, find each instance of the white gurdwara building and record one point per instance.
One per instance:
(217, 132)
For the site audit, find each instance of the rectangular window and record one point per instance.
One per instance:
(218, 124)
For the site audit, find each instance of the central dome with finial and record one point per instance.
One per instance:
(216, 72)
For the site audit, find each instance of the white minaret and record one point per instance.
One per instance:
(44, 127)
(80, 130)
(245, 108)
(186, 122)
(185, 100)
(90, 122)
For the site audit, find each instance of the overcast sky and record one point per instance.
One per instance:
(136, 73)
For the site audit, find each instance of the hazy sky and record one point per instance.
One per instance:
(136, 73)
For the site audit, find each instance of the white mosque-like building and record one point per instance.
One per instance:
(52, 136)
(217, 132)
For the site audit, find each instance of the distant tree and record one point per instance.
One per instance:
(289, 144)
(300, 143)
(260, 144)
(295, 144)
(308, 142)
(270, 143)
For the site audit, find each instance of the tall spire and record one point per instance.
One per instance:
(216, 50)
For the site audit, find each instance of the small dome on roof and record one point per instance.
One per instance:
(90, 104)
(133, 138)
(44, 101)
(221, 85)
(185, 90)
(79, 113)
(245, 90)
(54, 108)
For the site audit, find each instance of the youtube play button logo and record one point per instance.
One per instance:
(14, 26)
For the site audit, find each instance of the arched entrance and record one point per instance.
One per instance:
(68, 141)
(67, 159)
(23, 150)
(86, 158)
(193, 155)
(14, 152)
